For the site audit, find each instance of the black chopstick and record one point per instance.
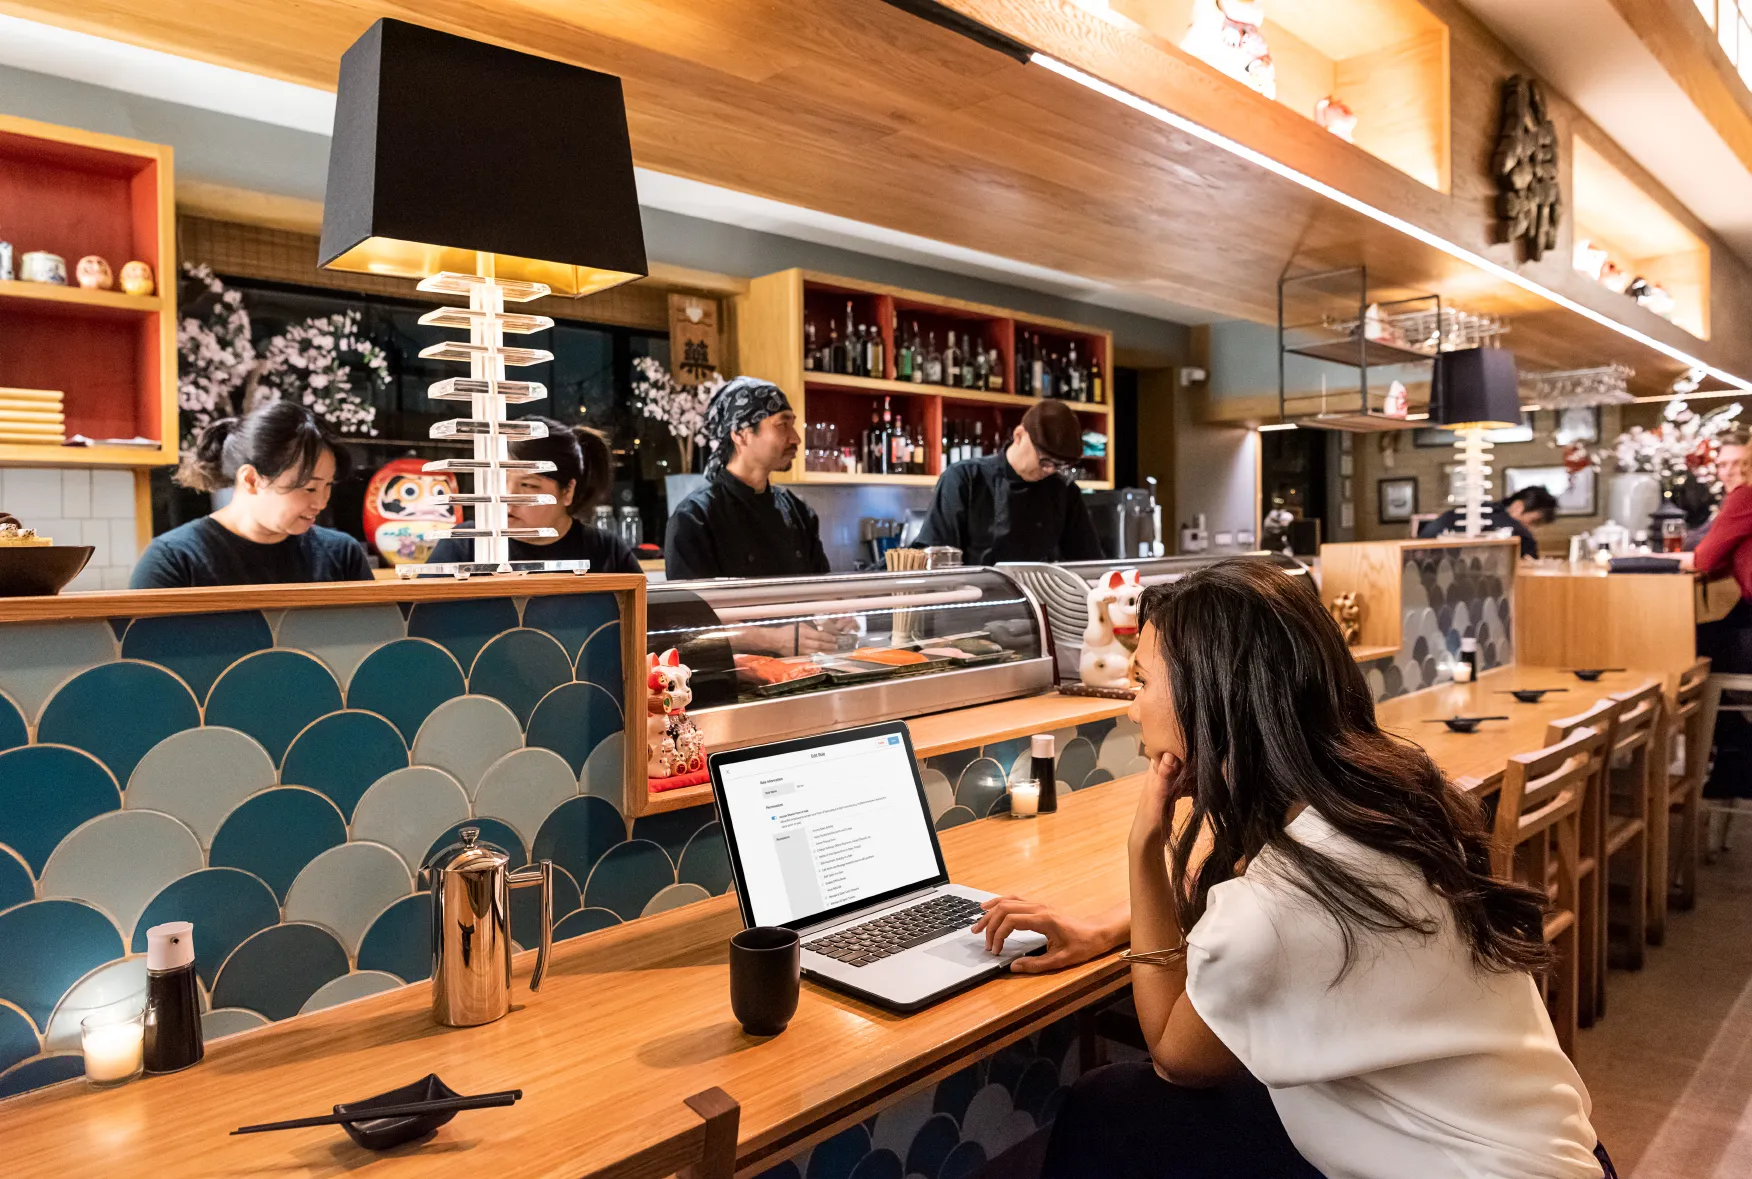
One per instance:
(407, 1110)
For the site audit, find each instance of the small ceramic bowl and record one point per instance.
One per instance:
(36, 570)
(1462, 724)
(1532, 695)
(384, 1133)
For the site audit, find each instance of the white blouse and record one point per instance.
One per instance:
(1415, 1063)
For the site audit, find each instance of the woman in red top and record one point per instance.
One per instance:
(1727, 548)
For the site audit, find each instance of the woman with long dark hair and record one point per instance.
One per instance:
(280, 464)
(582, 477)
(1329, 979)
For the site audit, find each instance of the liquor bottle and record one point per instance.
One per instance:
(951, 362)
(873, 444)
(1048, 387)
(994, 371)
(886, 457)
(878, 364)
(1074, 377)
(1037, 378)
(853, 339)
(1023, 365)
(918, 356)
(809, 345)
(933, 362)
(903, 359)
(1097, 387)
(978, 446)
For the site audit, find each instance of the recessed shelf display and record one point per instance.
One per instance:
(1628, 242)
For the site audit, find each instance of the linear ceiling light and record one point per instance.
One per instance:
(1181, 123)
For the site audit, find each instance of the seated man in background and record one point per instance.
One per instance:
(1520, 513)
(1730, 469)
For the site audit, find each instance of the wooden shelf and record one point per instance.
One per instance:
(112, 356)
(878, 385)
(895, 480)
(1374, 353)
(80, 300)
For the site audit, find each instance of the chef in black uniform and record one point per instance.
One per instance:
(1020, 505)
(740, 524)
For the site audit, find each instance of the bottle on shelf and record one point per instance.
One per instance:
(903, 358)
(951, 362)
(977, 446)
(994, 382)
(1024, 365)
(933, 362)
(1074, 377)
(1097, 386)
(854, 341)
(809, 356)
(918, 355)
(1037, 379)
(1048, 375)
(877, 363)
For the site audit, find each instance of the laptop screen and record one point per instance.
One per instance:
(826, 824)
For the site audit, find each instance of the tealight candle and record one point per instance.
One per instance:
(111, 1039)
(1024, 798)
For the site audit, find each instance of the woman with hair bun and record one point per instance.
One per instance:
(281, 463)
(582, 477)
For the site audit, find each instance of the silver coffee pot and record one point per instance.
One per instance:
(471, 928)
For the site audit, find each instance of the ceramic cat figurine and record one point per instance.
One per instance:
(1226, 34)
(673, 744)
(1113, 619)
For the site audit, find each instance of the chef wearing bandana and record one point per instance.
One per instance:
(740, 524)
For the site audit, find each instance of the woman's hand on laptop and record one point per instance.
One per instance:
(1069, 940)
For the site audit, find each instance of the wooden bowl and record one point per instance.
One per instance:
(36, 570)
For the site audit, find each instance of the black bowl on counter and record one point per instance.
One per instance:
(1464, 724)
(1531, 695)
(383, 1133)
(1591, 674)
(28, 571)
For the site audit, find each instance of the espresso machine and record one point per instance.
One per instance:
(1128, 520)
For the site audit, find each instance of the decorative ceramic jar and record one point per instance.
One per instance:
(42, 266)
(137, 278)
(94, 273)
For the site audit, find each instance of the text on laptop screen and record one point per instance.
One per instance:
(817, 829)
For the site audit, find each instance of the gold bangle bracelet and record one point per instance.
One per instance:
(1155, 957)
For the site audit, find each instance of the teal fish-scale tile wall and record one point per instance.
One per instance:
(1448, 594)
(279, 778)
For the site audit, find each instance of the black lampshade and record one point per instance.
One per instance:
(1476, 387)
(446, 147)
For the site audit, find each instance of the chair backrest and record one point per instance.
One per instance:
(1543, 787)
(1693, 683)
(705, 1151)
(1639, 718)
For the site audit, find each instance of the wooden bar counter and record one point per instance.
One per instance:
(1585, 617)
(629, 1022)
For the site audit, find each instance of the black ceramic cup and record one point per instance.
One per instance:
(764, 978)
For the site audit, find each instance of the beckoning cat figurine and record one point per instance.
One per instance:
(673, 744)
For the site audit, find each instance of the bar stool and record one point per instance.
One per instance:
(1720, 811)
(1630, 816)
(1687, 770)
(1537, 842)
(1591, 915)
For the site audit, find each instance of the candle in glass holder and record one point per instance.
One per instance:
(1024, 798)
(111, 1039)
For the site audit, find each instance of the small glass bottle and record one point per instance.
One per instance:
(1044, 772)
(173, 999)
(1467, 669)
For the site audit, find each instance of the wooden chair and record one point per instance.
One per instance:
(1687, 771)
(705, 1151)
(1538, 842)
(1591, 915)
(1631, 818)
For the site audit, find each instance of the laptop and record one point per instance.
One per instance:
(832, 836)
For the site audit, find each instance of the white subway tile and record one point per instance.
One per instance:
(112, 494)
(97, 535)
(123, 547)
(115, 577)
(56, 529)
(90, 578)
(32, 494)
(75, 493)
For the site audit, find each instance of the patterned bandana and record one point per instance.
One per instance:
(739, 405)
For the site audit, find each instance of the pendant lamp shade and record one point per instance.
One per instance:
(446, 148)
(1476, 387)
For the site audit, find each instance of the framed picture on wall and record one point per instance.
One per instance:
(1433, 436)
(1576, 424)
(1575, 491)
(1398, 499)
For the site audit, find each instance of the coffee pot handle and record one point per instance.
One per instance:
(539, 873)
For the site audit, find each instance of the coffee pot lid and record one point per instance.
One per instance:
(469, 854)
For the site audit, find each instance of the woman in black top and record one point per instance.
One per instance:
(281, 464)
(582, 476)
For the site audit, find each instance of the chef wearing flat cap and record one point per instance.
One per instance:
(740, 524)
(1019, 504)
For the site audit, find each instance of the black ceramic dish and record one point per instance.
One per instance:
(1464, 724)
(28, 571)
(1531, 695)
(1590, 674)
(383, 1133)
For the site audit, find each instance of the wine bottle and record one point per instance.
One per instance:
(918, 358)
(1074, 376)
(886, 439)
(994, 371)
(809, 345)
(1097, 387)
(951, 362)
(903, 360)
(1037, 378)
(878, 365)
(933, 362)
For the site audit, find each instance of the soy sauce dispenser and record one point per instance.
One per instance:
(1044, 772)
(173, 999)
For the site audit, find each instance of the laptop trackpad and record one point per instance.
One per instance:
(970, 950)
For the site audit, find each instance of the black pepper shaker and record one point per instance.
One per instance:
(173, 999)
(1044, 772)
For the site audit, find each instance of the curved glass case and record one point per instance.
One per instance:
(782, 657)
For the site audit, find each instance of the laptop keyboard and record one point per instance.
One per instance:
(888, 935)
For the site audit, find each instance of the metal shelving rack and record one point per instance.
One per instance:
(1339, 339)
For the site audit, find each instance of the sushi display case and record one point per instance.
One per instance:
(786, 657)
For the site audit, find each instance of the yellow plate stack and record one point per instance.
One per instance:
(31, 416)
